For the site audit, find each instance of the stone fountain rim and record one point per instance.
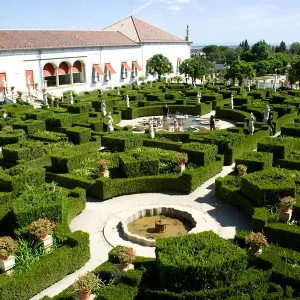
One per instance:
(185, 212)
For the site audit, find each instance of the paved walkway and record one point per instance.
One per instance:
(94, 218)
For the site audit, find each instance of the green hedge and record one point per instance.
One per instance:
(121, 141)
(267, 187)
(198, 261)
(25, 150)
(11, 136)
(30, 126)
(78, 135)
(228, 188)
(231, 114)
(200, 154)
(39, 114)
(291, 130)
(49, 269)
(255, 161)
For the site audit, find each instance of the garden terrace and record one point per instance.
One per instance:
(62, 144)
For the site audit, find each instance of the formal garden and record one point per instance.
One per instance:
(55, 156)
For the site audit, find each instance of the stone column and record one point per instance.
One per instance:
(57, 77)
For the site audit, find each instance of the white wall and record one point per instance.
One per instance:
(14, 64)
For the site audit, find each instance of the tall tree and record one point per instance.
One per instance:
(195, 67)
(212, 52)
(260, 51)
(160, 65)
(294, 72)
(240, 70)
(244, 44)
(282, 47)
(295, 48)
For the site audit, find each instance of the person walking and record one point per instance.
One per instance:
(271, 126)
(212, 123)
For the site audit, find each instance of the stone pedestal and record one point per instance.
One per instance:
(104, 173)
(285, 214)
(8, 264)
(86, 296)
(160, 226)
(125, 268)
(47, 242)
(253, 252)
(180, 168)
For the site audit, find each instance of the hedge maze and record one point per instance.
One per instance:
(62, 144)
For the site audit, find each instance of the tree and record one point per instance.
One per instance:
(212, 52)
(240, 70)
(195, 67)
(245, 46)
(160, 65)
(294, 72)
(295, 48)
(260, 51)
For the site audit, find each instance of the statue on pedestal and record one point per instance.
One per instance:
(151, 133)
(110, 121)
(165, 111)
(118, 91)
(198, 97)
(231, 106)
(127, 101)
(71, 98)
(251, 124)
(103, 108)
(266, 114)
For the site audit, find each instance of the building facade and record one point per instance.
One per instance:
(84, 60)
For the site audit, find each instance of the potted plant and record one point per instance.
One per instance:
(85, 284)
(287, 204)
(7, 128)
(3, 112)
(41, 230)
(242, 169)
(52, 186)
(126, 256)
(180, 158)
(103, 167)
(7, 248)
(256, 241)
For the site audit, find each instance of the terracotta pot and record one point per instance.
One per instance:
(47, 242)
(104, 173)
(85, 295)
(285, 213)
(52, 188)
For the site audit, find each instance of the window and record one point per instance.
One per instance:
(108, 71)
(124, 70)
(78, 72)
(135, 68)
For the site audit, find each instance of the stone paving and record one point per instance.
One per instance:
(96, 215)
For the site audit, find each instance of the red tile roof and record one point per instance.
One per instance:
(47, 39)
(140, 31)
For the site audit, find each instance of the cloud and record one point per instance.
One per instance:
(183, 1)
(143, 6)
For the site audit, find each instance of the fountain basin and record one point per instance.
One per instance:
(199, 221)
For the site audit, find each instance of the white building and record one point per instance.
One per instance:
(85, 60)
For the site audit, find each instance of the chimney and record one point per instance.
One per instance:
(187, 37)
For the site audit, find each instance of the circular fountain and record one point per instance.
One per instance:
(144, 224)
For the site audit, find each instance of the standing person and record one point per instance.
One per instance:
(271, 126)
(165, 111)
(212, 123)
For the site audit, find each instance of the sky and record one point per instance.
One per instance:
(218, 22)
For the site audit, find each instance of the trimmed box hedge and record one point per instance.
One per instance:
(198, 261)
(78, 135)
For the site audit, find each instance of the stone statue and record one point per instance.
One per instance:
(127, 101)
(103, 108)
(266, 114)
(249, 86)
(4, 84)
(118, 91)
(251, 124)
(71, 98)
(231, 106)
(194, 85)
(165, 111)
(45, 97)
(151, 133)
(110, 121)
(198, 97)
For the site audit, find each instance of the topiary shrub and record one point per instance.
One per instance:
(122, 141)
(267, 187)
(198, 261)
(78, 135)
(12, 136)
(30, 126)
